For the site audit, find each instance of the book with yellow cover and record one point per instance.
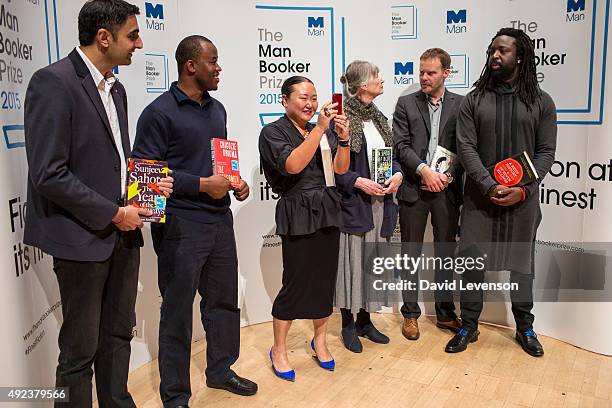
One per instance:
(142, 190)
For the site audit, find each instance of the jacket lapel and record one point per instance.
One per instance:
(447, 106)
(421, 102)
(91, 90)
(122, 118)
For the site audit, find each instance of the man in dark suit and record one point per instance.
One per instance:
(423, 121)
(77, 142)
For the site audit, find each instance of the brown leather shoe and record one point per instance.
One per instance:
(410, 329)
(452, 325)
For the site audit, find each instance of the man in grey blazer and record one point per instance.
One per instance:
(76, 136)
(422, 121)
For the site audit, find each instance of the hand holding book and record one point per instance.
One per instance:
(392, 184)
(370, 187)
(432, 180)
(242, 191)
(506, 196)
(129, 218)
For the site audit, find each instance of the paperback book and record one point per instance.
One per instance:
(382, 164)
(225, 160)
(142, 189)
(443, 160)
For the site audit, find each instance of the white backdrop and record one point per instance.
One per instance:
(257, 40)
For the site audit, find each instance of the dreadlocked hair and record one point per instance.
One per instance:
(528, 89)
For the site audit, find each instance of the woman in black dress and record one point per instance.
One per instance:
(308, 216)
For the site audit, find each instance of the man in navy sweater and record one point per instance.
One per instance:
(196, 248)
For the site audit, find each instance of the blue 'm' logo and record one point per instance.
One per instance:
(154, 11)
(460, 16)
(575, 5)
(404, 69)
(315, 22)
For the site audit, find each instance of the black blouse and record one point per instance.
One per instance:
(306, 204)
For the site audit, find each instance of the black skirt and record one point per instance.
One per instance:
(310, 266)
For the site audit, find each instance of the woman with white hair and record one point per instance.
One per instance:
(368, 211)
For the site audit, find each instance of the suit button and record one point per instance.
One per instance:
(116, 167)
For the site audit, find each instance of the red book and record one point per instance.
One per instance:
(517, 170)
(225, 160)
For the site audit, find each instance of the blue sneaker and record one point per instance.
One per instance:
(328, 365)
(285, 375)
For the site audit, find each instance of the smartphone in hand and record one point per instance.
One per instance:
(337, 98)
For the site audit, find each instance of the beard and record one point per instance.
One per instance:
(504, 71)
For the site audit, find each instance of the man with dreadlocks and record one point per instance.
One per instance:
(506, 113)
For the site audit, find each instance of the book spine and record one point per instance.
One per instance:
(212, 155)
(530, 163)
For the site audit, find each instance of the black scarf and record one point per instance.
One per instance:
(358, 113)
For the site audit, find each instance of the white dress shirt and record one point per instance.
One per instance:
(104, 83)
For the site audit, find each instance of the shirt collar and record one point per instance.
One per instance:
(101, 81)
(440, 101)
(182, 98)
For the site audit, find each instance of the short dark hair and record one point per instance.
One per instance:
(439, 53)
(287, 86)
(189, 48)
(108, 14)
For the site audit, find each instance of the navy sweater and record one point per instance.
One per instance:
(178, 130)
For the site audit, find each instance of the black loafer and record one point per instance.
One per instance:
(461, 340)
(370, 332)
(350, 339)
(237, 385)
(530, 343)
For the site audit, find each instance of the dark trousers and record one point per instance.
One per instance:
(194, 256)
(98, 300)
(413, 221)
(522, 300)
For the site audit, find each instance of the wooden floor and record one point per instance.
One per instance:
(493, 372)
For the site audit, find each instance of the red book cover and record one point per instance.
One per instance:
(142, 190)
(517, 170)
(225, 159)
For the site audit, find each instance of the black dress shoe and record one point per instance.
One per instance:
(237, 385)
(460, 341)
(350, 339)
(370, 332)
(529, 342)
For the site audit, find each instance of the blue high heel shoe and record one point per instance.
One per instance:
(328, 365)
(285, 375)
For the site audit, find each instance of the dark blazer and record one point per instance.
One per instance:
(411, 133)
(74, 172)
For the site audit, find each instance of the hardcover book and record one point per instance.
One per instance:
(328, 162)
(517, 170)
(142, 190)
(443, 160)
(382, 164)
(225, 159)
